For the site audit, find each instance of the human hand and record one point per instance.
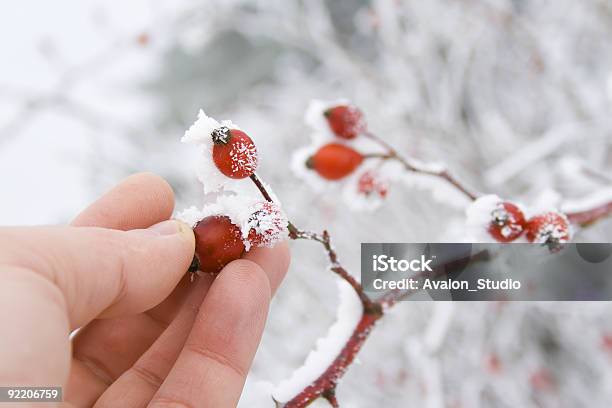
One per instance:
(148, 335)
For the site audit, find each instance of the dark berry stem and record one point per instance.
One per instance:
(262, 189)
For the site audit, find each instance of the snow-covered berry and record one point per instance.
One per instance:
(345, 121)
(267, 224)
(370, 183)
(218, 242)
(234, 152)
(551, 229)
(334, 161)
(507, 222)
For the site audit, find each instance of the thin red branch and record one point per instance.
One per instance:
(414, 167)
(326, 383)
(588, 217)
(373, 310)
(581, 218)
(325, 240)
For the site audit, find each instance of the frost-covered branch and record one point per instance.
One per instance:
(325, 240)
(590, 209)
(417, 167)
(325, 385)
(237, 221)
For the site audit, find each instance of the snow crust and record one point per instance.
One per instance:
(478, 217)
(199, 134)
(327, 348)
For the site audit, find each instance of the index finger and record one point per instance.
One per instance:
(140, 200)
(213, 365)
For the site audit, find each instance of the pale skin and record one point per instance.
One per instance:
(149, 336)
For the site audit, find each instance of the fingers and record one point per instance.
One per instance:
(274, 261)
(34, 330)
(105, 348)
(140, 382)
(103, 272)
(141, 200)
(212, 366)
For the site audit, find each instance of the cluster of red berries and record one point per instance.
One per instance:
(508, 223)
(334, 161)
(218, 240)
(370, 183)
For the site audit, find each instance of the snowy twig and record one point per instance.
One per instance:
(416, 167)
(325, 240)
(325, 385)
(581, 218)
(588, 217)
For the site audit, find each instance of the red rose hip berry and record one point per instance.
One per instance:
(266, 224)
(234, 152)
(371, 183)
(507, 223)
(345, 121)
(334, 161)
(218, 242)
(551, 229)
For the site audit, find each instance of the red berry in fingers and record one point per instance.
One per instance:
(345, 121)
(234, 153)
(335, 161)
(370, 183)
(218, 242)
(507, 223)
(267, 224)
(551, 229)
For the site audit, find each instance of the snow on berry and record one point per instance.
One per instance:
(200, 133)
(266, 225)
(489, 217)
(346, 121)
(234, 152)
(371, 183)
(327, 348)
(507, 222)
(260, 223)
(551, 229)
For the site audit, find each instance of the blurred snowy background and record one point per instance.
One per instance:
(516, 96)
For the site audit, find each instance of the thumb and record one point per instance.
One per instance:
(100, 272)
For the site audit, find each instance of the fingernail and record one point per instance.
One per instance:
(169, 227)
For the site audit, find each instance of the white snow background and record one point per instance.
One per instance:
(514, 96)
